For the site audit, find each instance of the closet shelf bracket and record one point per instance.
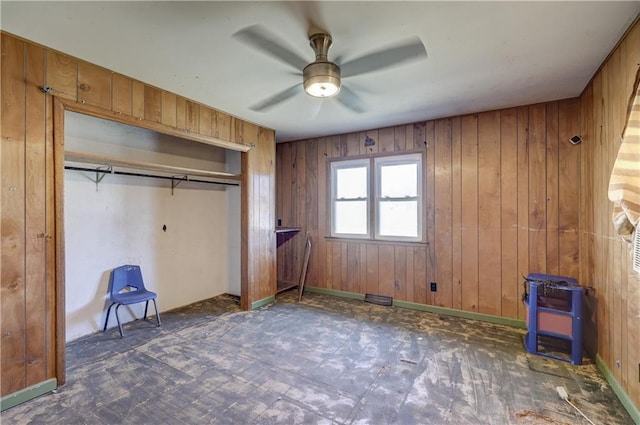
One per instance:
(176, 180)
(100, 173)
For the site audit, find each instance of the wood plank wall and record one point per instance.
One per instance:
(501, 201)
(605, 258)
(28, 284)
(258, 265)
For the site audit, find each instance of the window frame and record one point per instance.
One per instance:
(345, 164)
(401, 159)
(373, 164)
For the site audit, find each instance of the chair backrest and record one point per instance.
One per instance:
(124, 276)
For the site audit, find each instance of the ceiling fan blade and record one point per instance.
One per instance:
(271, 101)
(259, 38)
(349, 99)
(409, 51)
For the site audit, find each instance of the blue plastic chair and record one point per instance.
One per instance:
(126, 287)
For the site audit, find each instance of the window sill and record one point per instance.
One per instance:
(375, 241)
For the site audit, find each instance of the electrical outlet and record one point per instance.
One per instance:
(434, 286)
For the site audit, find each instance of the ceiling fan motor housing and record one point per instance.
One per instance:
(321, 78)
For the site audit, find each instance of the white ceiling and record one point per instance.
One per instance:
(481, 55)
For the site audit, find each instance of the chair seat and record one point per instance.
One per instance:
(133, 297)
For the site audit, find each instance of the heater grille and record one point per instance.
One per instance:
(636, 250)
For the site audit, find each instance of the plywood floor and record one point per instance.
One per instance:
(325, 360)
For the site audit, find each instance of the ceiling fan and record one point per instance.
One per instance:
(323, 78)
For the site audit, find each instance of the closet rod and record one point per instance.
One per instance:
(127, 173)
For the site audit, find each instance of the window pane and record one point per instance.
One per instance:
(351, 183)
(398, 218)
(351, 217)
(398, 181)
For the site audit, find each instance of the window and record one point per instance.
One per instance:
(385, 205)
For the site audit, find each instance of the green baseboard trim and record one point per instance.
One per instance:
(335, 293)
(27, 394)
(268, 300)
(617, 388)
(516, 323)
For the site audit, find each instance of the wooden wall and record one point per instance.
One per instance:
(31, 287)
(258, 266)
(605, 258)
(502, 200)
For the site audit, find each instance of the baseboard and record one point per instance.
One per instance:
(499, 320)
(335, 293)
(617, 388)
(28, 393)
(268, 300)
(516, 323)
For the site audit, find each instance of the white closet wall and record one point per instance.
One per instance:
(122, 223)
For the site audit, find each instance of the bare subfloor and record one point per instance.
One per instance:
(325, 360)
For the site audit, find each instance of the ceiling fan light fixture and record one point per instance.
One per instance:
(321, 79)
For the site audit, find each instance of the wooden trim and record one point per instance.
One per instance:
(58, 172)
(335, 293)
(624, 398)
(260, 303)
(28, 393)
(490, 318)
(98, 112)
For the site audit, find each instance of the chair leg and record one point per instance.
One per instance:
(157, 314)
(106, 321)
(146, 307)
(119, 324)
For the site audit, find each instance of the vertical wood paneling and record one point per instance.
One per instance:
(31, 272)
(311, 201)
(430, 208)
(400, 273)
(12, 162)
(373, 285)
(551, 183)
(604, 258)
(469, 164)
(35, 218)
(456, 212)
(537, 189)
(137, 99)
(62, 75)
(386, 140)
(193, 117)
(442, 220)
(568, 197)
(477, 214)
(206, 116)
(223, 125)
(121, 95)
(509, 212)
(94, 85)
(181, 113)
(420, 288)
(320, 249)
(523, 200)
(386, 270)
(400, 138)
(489, 242)
(169, 115)
(258, 248)
(152, 104)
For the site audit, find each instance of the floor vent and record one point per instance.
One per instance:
(378, 299)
